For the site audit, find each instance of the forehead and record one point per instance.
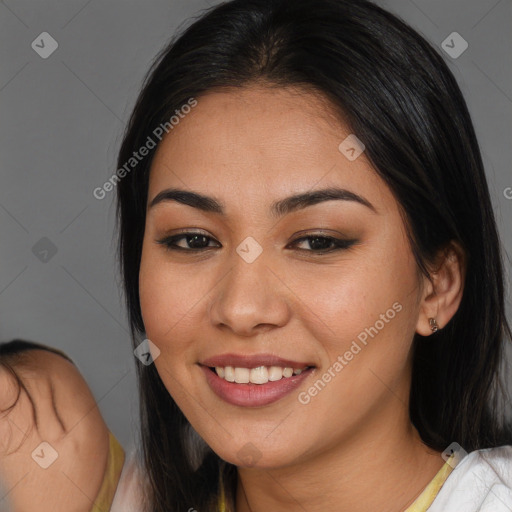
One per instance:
(258, 142)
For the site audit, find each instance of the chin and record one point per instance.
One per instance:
(254, 454)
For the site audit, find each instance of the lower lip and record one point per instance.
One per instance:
(253, 395)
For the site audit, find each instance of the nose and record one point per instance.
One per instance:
(250, 299)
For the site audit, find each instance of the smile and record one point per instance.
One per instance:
(259, 375)
(265, 391)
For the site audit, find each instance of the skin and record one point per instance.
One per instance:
(247, 148)
(68, 419)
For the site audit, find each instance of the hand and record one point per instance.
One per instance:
(59, 409)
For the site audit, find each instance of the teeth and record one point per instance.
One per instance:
(287, 372)
(242, 375)
(275, 373)
(229, 374)
(259, 375)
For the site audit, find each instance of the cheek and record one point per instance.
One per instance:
(371, 301)
(167, 297)
(166, 301)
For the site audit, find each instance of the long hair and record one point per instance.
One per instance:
(393, 90)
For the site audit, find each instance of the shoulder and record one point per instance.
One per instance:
(58, 394)
(48, 416)
(481, 482)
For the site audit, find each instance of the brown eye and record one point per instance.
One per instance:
(191, 242)
(323, 244)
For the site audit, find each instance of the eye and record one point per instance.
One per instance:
(191, 242)
(323, 244)
(196, 242)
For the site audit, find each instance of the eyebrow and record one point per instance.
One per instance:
(277, 209)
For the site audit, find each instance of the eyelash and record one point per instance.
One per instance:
(339, 244)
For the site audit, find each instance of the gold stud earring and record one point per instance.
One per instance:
(433, 324)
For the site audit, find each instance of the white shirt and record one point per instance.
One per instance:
(128, 496)
(481, 482)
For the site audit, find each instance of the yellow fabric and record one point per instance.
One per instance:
(421, 504)
(222, 497)
(115, 463)
(425, 499)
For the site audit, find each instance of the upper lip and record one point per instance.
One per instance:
(252, 361)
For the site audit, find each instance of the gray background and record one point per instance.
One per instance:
(61, 125)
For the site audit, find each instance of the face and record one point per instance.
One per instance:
(247, 278)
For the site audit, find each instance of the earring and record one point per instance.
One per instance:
(433, 324)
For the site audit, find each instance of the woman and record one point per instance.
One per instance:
(309, 248)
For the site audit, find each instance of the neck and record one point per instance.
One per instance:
(374, 468)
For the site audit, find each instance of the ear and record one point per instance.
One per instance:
(441, 297)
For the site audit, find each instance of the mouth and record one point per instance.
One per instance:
(254, 381)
